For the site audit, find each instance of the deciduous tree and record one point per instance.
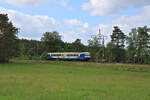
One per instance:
(52, 41)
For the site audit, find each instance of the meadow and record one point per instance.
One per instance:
(58, 80)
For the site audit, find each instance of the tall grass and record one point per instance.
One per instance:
(46, 80)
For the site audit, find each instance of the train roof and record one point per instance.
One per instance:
(68, 53)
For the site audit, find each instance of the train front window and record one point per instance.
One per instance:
(87, 54)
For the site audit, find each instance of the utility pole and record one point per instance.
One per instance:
(101, 43)
(102, 38)
(1, 33)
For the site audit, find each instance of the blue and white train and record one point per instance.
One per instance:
(69, 56)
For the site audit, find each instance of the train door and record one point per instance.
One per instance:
(82, 56)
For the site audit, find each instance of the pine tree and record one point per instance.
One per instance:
(118, 39)
(8, 39)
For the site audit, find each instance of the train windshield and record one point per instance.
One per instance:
(87, 54)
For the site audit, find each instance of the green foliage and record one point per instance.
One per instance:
(8, 39)
(118, 40)
(30, 48)
(118, 37)
(52, 41)
(78, 46)
(132, 40)
(143, 44)
(110, 52)
(44, 55)
(138, 50)
(96, 48)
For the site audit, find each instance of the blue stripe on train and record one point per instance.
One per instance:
(78, 58)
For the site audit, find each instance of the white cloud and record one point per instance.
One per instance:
(71, 36)
(126, 23)
(80, 27)
(31, 26)
(64, 3)
(109, 7)
(26, 2)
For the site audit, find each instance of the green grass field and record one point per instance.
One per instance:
(52, 80)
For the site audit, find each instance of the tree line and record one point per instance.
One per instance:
(134, 48)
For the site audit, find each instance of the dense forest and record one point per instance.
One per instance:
(134, 48)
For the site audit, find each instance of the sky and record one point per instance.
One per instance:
(75, 18)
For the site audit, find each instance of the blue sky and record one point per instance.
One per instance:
(75, 18)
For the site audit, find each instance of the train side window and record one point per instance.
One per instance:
(53, 54)
(59, 55)
(68, 54)
(72, 54)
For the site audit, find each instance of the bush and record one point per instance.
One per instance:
(43, 56)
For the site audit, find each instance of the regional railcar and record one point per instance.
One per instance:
(69, 56)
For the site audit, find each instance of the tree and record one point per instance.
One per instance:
(78, 46)
(52, 41)
(96, 48)
(111, 52)
(26, 45)
(132, 40)
(8, 39)
(118, 39)
(138, 49)
(143, 49)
